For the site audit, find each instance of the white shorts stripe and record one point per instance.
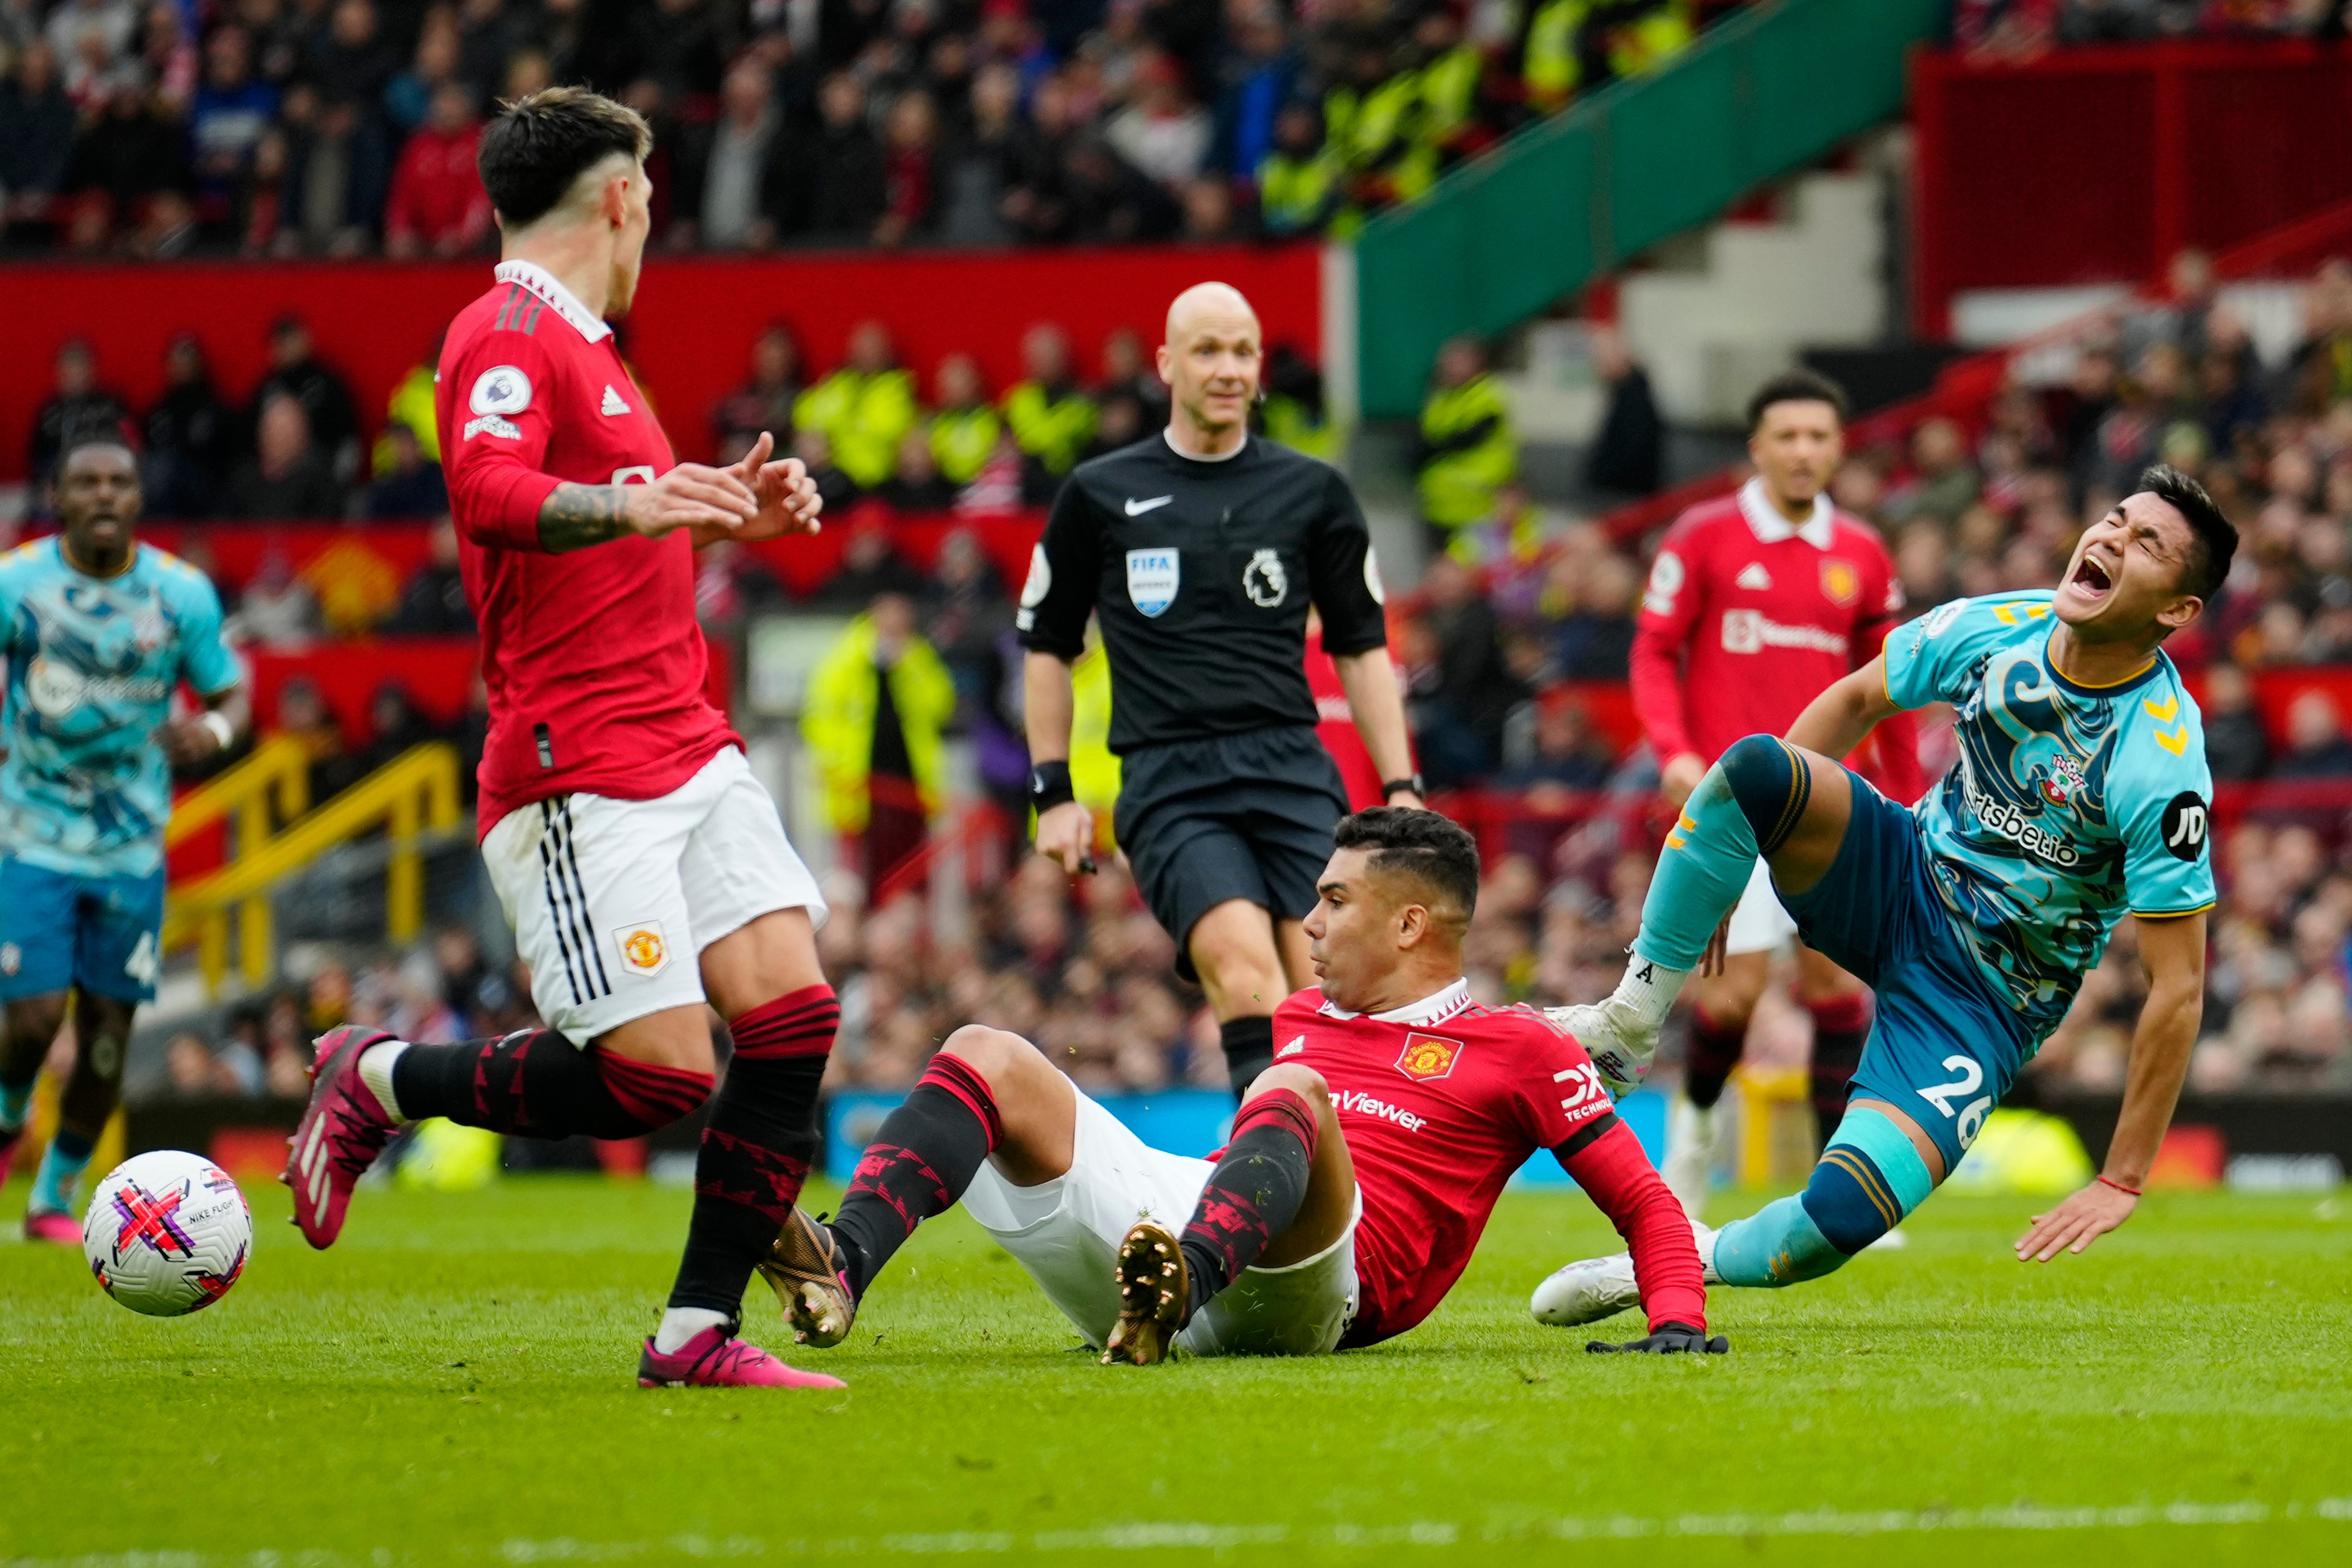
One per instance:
(559, 898)
(602, 984)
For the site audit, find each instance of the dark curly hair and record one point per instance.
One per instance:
(1422, 844)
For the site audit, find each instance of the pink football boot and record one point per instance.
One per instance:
(54, 1226)
(714, 1359)
(340, 1134)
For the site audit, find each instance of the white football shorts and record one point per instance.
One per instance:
(1758, 924)
(612, 902)
(1066, 1233)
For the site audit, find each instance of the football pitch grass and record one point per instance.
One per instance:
(454, 1383)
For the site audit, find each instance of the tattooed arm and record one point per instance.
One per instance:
(577, 515)
(711, 500)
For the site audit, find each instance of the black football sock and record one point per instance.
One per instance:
(929, 1150)
(1249, 1051)
(757, 1147)
(1253, 1192)
(1841, 1028)
(1714, 1051)
(538, 1084)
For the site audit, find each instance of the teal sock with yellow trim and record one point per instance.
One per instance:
(1746, 806)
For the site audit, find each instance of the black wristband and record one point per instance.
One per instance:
(1049, 785)
(1393, 786)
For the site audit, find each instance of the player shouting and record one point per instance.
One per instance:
(2081, 791)
(99, 630)
(1755, 603)
(643, 867)
(1361, 1169)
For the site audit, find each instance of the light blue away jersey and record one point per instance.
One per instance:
(2070, 804)
(92, 662)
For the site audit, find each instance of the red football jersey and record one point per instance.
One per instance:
(1440, 1102)
(1748, 617)
(592, 658)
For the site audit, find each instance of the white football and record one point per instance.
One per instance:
(167, 1233)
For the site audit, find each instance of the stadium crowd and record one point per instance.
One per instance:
(158, 128)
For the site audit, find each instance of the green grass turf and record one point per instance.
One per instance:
(453, 1383)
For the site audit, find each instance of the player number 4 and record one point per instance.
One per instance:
(1971, 1079)
(144, 961)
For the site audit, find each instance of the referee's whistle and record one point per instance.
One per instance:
(1085, 865)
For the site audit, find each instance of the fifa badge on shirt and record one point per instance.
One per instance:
(1428, 1056)
(1151, 576)
(643, 949)
(1840, 580)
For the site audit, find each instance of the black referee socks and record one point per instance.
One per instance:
(1249, 1051)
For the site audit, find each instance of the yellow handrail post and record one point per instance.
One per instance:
(253, 827)
(403, 886)
(212, 949)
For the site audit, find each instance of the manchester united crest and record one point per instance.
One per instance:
(1428, 1056)
(1841, 581)
(643, 949)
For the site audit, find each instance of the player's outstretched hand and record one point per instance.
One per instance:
(1065, 835)
(1680, 776)
(690, 496)
(2081, 1219)
(1672, 1339)
(786, 496)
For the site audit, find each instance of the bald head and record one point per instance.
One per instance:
(1209, 362)
(1213, 305)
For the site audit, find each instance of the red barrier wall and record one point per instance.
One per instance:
(231, 553)
(688, 338)
(2098, 164)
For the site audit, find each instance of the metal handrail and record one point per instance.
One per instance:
(412, 795)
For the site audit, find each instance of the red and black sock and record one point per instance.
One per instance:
(1840, 1029)
(1714, 1051)
(1254, 1192)
(757, 1145)
(929, 1150)
(538, 1084)
(1249, 1051)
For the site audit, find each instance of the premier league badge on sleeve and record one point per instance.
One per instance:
(1151, 578)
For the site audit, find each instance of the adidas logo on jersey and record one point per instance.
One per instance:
(1752, 576)
(612, 404)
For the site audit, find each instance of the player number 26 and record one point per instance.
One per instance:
(1971, 1080)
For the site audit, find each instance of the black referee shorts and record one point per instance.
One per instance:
(1237, 816)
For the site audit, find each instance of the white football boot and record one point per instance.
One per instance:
(1620, 1032)
(1596, 1287)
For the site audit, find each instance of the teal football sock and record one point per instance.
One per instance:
(61, 1167)
(1777, 1244)
(1709, 858)
(15, 1099)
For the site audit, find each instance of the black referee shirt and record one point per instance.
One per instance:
(1201, 572)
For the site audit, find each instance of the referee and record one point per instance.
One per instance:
(1202, 548)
